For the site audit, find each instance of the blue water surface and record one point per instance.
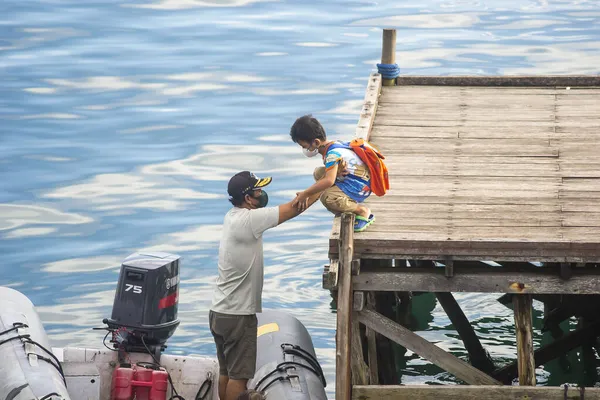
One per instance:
(121, 122)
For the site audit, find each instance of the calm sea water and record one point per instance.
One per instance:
(121, 122)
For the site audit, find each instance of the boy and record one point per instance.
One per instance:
(341, 193)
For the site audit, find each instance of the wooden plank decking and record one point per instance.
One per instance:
(493, 173)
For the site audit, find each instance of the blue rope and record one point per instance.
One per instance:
(388, 71)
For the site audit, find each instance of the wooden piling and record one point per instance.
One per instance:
(388, 52)
(523, 326)
(343, 378)
(372, 345)
(360, 371)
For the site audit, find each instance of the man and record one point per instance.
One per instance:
(238, 294)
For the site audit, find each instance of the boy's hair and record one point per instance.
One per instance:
(307, 128)
(250, 395)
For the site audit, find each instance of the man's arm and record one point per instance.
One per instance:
(288, 211)
(301, 200)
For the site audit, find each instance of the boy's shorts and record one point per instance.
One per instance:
(333, 198)
(235, 337)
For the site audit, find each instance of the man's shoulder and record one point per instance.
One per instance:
(236, 215)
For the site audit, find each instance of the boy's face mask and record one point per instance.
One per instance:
(310, 153)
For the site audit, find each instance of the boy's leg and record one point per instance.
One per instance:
(337, 201)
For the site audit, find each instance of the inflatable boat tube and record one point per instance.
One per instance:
(286, 364)
(28, 369)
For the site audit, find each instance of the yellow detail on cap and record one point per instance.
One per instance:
(263, 182)
(268, 328)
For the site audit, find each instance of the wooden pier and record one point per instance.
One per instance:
(502, 169)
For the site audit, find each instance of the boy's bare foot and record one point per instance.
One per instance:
(363, 211)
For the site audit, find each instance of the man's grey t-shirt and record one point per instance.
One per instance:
(240, 282)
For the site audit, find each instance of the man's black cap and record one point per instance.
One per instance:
(243, 182)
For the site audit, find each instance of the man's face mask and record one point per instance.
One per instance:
(262, 200)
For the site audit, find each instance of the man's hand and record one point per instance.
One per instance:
(342, 169)
(301, 201)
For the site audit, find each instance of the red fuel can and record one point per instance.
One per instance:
(143, 383)
(121, 387)
(160, 382)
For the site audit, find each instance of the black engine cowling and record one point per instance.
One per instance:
(144, 313)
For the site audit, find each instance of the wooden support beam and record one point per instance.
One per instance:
(422, 347)
(388, 52)
(367, 114)
(343, 354)
(359, 300)
(477, 354)
(330, 275)
(360, 371)
(477, 280)
(383, 245)
(459, 392)
(524, 327)
(540, 80)
(372, 345)
(449, 269)
(565, 270)
(551, 351)
(386, 355)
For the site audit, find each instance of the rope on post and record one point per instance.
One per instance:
(388, 71)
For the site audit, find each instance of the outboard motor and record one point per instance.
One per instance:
(144, 313)
(144, 316)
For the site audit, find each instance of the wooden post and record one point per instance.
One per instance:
(360, 372)
(477, 354)
(372, 345)
(523, 325)
(388, 52)
(549, 352)
(343, 378)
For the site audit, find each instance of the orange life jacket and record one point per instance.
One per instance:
(373, 159)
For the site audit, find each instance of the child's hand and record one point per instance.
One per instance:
(301, 201)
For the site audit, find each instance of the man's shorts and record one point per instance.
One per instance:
(235, 337)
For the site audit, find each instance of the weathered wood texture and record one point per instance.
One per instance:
(423, 392)
(360, 371)
(524, 329)
(388, 52)
(343, 378)
(557, 80)
(482, 280)
(422, 347)
(372, 345)
(369, 108)
(502, 173)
